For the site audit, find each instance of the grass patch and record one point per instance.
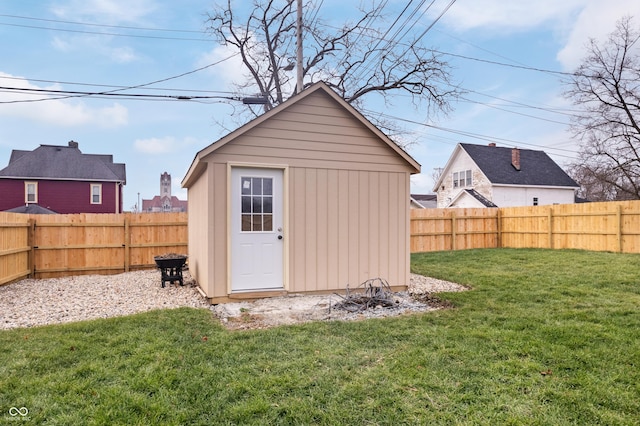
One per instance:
(544, 337)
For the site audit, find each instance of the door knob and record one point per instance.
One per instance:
(279, 237)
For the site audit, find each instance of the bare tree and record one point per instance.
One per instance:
(606, 87)
(593, 184)
(354, 60)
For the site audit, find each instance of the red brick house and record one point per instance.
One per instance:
(62, 179)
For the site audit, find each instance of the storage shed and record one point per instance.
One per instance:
(310, 197)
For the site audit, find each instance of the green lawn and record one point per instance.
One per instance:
(544, 337)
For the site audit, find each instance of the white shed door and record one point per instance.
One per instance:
(256, 229)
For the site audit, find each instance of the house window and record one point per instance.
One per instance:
(30, 192)
(96, 193)
(257, 204)
(535, 201)
(462, 179)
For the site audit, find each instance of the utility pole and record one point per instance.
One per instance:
(299, 69)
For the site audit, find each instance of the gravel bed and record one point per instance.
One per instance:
(30, 303)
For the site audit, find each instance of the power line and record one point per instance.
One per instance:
(524, 67)
(514, 112)
(391, 41)
(480, 47)
(435, 21)
(471, 134)
(71, 94)
(562, 111)
(112, 86)
(103, 33)
(76, 93)
(89, 24)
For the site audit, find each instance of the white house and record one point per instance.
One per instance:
(492, 176)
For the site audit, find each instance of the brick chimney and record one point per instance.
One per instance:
(515, 158)
(73, 144)
(493, 144)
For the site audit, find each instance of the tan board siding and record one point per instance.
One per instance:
(199, 232)
(316, 134)
(346, 228)
(219, 222)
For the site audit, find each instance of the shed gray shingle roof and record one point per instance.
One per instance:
(536, 167)
(63, 162)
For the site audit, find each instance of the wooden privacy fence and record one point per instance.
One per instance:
(611, 226)
(453, 229)
(44, 246)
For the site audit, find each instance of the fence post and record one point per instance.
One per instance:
(31, 241)
(550, 220)
(499, 227)
(619, 226)
(127, 244)
(453, 230)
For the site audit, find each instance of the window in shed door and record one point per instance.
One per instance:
(257, 204)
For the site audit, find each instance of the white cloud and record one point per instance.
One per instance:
(110, 12)
(422, 183)
(513, 15)
(225, 72)
(231, 72)
(121, 54)
(117, 114)
(95, 44)
(104, 11)
(59, 112)
(596, 20)
(164, 145)
(156, 145)
(572, 21)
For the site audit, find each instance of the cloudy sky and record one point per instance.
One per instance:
(507, 55)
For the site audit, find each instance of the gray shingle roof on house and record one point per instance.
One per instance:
(31, 209)
(536, 167)
(63, 162)
(426, 200)
(484, 201)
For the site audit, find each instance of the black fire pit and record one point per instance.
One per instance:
(171, 267)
